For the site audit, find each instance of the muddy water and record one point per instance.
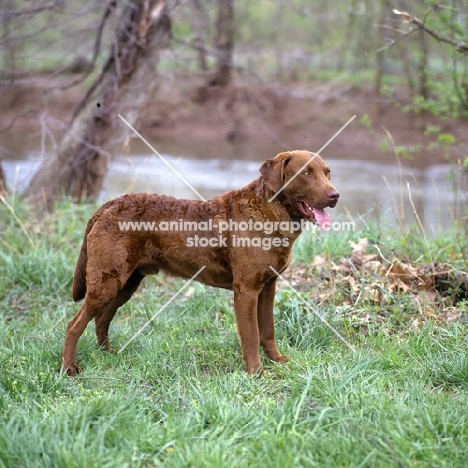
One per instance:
(369, 183)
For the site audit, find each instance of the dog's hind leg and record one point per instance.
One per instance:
(99, 295)
(104, 319)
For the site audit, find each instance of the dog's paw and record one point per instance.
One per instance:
(255, 370)
(281, 359)
(278, 358)
(71, 370)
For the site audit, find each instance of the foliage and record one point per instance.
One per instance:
(443, 86)
(298, 40)
(443, 101)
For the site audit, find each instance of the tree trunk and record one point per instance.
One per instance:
(422, 65)
(82, 159)
(201, 23)
(224, 44)
(3, 187)
(405, 60)
(379, 62)
(343, 54)
(366, 34)
(9, 48)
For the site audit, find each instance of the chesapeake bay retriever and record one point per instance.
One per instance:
(113, 261)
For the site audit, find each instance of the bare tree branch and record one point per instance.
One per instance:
(210, 52)
(97, 49)
(79, 164)
(404, 35)
(460, 46)
(31, 11)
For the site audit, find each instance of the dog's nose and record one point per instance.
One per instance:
(333, 195)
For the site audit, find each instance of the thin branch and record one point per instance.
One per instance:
(17, 117)
(49, 26)
(460, 46)
(213, 53)
(405, 34)
(97, 49)
(31, 11)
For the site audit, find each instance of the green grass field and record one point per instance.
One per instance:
(178, 397)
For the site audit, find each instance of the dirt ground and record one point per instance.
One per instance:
(288, 116)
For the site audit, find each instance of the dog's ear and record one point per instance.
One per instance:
(273, 170)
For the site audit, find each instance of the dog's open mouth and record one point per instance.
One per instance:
(315, 215)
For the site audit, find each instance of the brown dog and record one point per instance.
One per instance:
(113, 260)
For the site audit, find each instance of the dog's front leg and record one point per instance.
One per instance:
(245, 305)
(266, 324)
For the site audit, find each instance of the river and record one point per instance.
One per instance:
(371, 183)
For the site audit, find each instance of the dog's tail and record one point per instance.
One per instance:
(79, 277)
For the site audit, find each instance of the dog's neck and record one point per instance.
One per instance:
(277, 209)
(285, 210)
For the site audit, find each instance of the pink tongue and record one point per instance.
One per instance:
(321, 216)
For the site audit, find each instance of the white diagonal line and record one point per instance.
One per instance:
(165, 161)
(160, 310)
(312, 158)
(336, 134)
(336, 332)
(293, 177)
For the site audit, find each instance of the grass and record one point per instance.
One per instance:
(178, 396)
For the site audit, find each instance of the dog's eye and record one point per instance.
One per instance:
(306, 173)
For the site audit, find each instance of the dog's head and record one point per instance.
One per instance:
(301, 181)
